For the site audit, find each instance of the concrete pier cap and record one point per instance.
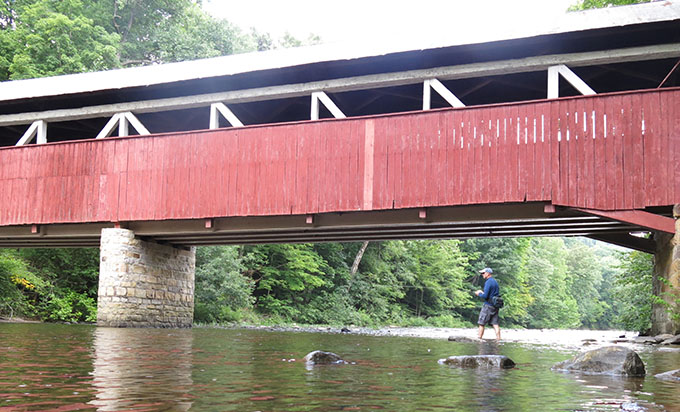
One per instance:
(143, 283)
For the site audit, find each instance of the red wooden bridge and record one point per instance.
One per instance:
(595, 165)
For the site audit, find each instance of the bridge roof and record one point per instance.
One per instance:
(380, 55)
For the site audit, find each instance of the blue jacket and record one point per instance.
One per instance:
(490, 290)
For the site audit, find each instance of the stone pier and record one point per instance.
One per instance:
(143, 283)
(667, 280)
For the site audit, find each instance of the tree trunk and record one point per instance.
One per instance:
(357, 260)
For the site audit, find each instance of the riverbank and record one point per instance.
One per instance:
(562, 337)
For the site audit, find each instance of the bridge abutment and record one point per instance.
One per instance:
(143, 283)
(666, 283)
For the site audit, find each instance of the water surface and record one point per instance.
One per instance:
(73, 367)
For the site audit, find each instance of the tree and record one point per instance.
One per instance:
(584, 279)
(49, 37)
(553, 305)
(633, 294)
(221, 289)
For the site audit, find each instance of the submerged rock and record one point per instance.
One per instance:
(670, 375)
(675, 340)
(646, 340)
(662, 337)
(463, 339)
(319, 357)
(610, 360)
(479, 361)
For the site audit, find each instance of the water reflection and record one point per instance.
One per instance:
(67, 368)
(142, 368)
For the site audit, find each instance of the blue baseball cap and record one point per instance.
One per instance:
(487, 270)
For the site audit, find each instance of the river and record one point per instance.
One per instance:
(76, 367)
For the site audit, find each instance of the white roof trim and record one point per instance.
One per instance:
(276, 59)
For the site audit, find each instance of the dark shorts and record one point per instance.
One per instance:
(488, 314)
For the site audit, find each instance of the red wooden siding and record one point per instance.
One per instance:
(609, 152)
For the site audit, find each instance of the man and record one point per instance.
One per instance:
(489, 313)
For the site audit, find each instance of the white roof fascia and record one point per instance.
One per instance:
(276, 59)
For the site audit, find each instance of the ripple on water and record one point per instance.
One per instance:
(58, 367)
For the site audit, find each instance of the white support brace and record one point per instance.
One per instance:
(442, 91)
(39, 128)
(323, 97)
(122, 120)
(554, 73)
(220, 108)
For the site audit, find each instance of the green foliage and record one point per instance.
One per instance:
(70, 306)
(221, 291)
(598, 4)
(633, 291)
(14, 280)
(553, 305)
(52, 284)
(50, 37)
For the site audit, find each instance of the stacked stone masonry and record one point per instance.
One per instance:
(667, 280)
(143, 283)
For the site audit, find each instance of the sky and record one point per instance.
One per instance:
(354, 20)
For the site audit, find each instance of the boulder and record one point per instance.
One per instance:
(675, 340)
(319, 357)
(463, 339)
(610, 360)
(670, 375)
(479, 361)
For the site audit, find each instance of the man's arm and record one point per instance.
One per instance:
(485, 294)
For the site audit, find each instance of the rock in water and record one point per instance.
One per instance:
(479, 361)
(319, 357)
(670, 375)
(610, 360)
(675, 340)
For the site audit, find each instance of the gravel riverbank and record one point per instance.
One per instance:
(564, 337)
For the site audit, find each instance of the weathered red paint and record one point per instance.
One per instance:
(489, 154)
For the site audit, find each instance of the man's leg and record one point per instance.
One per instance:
(481, 331)
(498, 331)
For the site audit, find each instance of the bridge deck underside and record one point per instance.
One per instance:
(507, 220)
(606, 152)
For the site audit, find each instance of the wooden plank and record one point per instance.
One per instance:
(533, 140)
(485, 170)
(441, 170)
(281, 183)
(453, 157)
(379, 164)
(356, 182)
(589, 146)
(468, 153)
(477, 168)
(514, 139)
(302, 167)
(674, 141)
(636, 167)
(610, 152)
(618, 152)
(628, 146)
(665, 151)
(599, 158)
(546, 175)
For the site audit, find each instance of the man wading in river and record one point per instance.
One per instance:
(489, 313)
